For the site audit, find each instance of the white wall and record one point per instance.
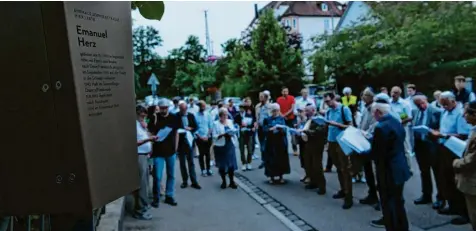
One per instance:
(310, 27)
(357, 11)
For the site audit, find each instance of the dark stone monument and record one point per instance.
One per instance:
(67, 107)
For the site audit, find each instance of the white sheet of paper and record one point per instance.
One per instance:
(354, 138)
(163, 133)
(422, 129)
(294, 132)
(247, 121)
(345, 148)
(456, 145)
(190, 139)
(181, 131)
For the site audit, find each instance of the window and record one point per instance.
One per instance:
(326, 25)
(287, 22)
(294, 23)
(324, 7)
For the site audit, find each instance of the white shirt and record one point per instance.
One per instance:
(193, 109)
(219, 129)
(142, 135)
(301, 103)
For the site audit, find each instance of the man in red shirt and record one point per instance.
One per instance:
(287, 104)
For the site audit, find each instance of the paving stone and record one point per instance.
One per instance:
(275, 204)
(299, 222)
(280, 208)
(293, 217)
(306, 228)
(287, 213)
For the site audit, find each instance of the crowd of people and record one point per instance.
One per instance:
(384, 118)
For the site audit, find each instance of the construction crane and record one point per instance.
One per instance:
(207, 36)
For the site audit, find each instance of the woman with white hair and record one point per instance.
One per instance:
(225, 144)
(276, 146)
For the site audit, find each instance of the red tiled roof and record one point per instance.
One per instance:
(312, 8)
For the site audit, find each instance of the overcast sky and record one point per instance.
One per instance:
(225, 20)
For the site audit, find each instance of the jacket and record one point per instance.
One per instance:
(388, 151)
(465, 168)
(219, 129)
(192, 123)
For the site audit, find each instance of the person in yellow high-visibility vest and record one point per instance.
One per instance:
(348, 99)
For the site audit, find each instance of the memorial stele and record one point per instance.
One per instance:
(67, 106)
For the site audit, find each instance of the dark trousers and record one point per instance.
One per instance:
(455, 198)
(261, 138)
(187, 166)
(246, 140)
(290, 123)
(302, 154)
(393, 206)
(329, 163)
(204, 153)
(425, 153)
(313, 163)
(370, 176)
(343, 168)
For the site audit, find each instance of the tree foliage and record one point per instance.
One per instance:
(403, 42)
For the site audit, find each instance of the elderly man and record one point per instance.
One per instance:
(462, 95)
(186, 124)
(425, 150)
(302, 102)
(452, 123)
(262, 113)
(392, 167)
(314, 137)
(338, 118)
(402, 108)
(367, 124)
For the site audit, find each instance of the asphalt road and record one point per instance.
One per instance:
(293, 208)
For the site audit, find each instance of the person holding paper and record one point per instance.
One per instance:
(367, 124)
(187, 124)
(225, 144)
(425, 149)
(246, 121)
(314, 139)
(164, 154)
(276, 146)
(144, 148)
(388, 152)
(452, 123)
(287, 103)
(338, 118)
(465, 168)
(403, 108)
(202, 138)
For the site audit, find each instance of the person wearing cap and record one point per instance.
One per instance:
(313, 137)
(186, 123)
(388, 152)
(246, 121)
(425, 150)
(164, 154)
(403, 108)
(465, 168)
(203, 138)
(275, 154)
(144, 148)
(338, 118)
(452, 123)
(462, 94)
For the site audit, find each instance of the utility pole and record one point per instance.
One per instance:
(207, 35)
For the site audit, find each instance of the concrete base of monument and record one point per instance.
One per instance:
(113, 218)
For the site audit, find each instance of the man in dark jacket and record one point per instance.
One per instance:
(187, 127)
(462, 95)
(388, 153)
(246, 120)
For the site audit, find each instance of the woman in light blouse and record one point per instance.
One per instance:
(225, 144)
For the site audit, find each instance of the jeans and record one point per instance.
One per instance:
(290, 123)
(159, 164)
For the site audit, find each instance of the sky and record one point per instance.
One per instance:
(226, 20)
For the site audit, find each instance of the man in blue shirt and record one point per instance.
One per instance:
(202, 138)
(452, 123)
(338, 118)
(403, 108)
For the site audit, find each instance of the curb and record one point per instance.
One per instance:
(112, 220)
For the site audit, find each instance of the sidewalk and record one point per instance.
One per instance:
(209, 209)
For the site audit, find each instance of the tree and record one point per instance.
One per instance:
(425, 43)
(146, 60)
(271, 63)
